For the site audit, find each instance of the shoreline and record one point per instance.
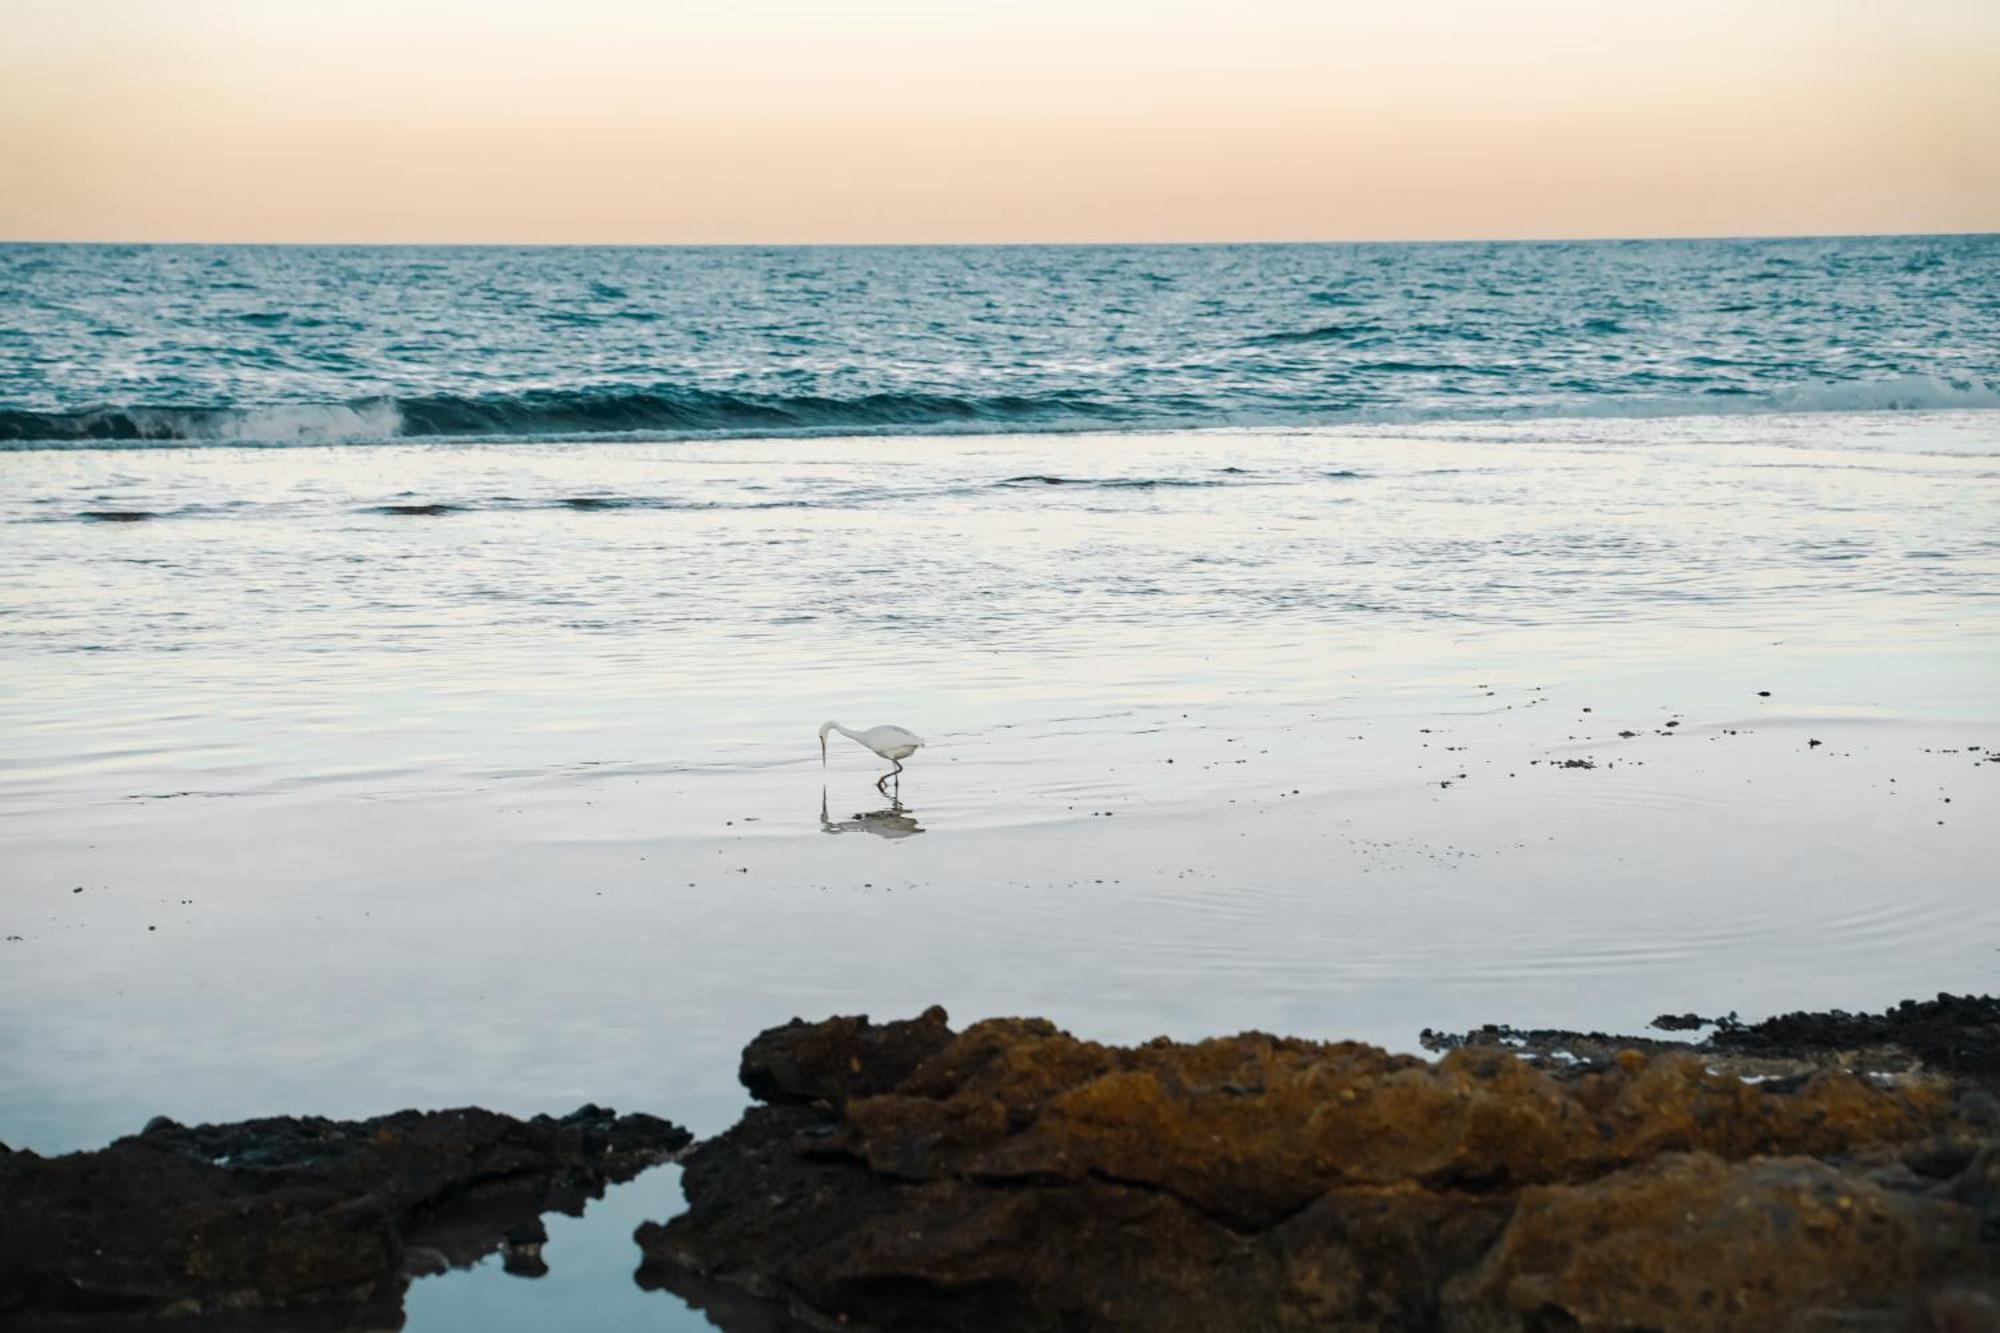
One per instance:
(1902, 399)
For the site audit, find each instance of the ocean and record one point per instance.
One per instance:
(411, 660)
(313, 345)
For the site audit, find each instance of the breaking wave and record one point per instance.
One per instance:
(547, 414)
(670, 413)
(292, 423)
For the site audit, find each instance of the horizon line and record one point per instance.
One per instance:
(1652, 238)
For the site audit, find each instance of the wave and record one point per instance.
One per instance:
(670, 413)
(545, 413)
(590, 504)
(1324, 333)
(292, 423)
(839, 499)
(1905, 393)
(436, 509)
(1112, 483)
(414, 505)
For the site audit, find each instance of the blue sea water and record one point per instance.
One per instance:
(307, 345)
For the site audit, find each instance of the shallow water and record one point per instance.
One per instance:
(432, 774)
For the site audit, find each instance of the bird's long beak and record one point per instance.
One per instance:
(822, 752)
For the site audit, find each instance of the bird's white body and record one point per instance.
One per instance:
(894, 744)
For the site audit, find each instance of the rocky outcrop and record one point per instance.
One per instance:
(901, 1176)
(1953, 1035)
(317, 1221)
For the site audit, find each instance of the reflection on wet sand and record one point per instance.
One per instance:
(897, 821)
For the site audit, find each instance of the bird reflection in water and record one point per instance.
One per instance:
(894, 822)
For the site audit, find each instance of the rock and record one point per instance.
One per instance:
(831, 1061)
(285, 1215)
(1958, 1034)
(1018, 1178)
(1691, 1242)
(521, 1249)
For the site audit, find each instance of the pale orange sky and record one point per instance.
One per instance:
(1030, 120)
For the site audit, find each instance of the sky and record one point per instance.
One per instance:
(770, 121)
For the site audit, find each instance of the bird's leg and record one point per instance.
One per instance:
(879, 784)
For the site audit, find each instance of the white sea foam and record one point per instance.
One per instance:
(316, 423)
(279, 424)
(1903, 393)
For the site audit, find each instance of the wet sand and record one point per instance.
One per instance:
(610, 933)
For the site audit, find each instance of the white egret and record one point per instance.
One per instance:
(893, 743)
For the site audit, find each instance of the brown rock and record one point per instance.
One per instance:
(1018, 1178)
(1693, 1242)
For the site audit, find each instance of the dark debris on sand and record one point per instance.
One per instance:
(295, 1222)
(904, 1176)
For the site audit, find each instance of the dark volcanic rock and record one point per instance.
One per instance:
(303, 1216)
(1959, 1034)
(840, 1058)
(1017, 1178)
